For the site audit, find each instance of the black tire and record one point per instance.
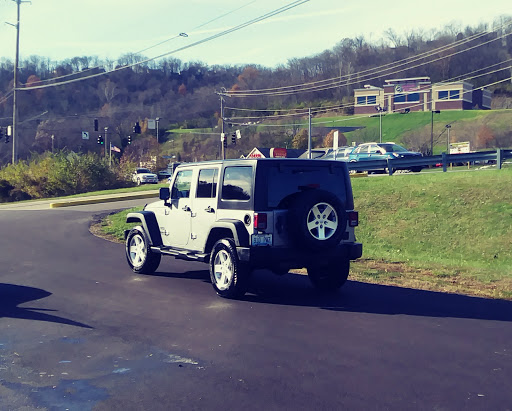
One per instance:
(416, 169)
(138, 252)
(229, 276)
(316, 219)
(331, 277)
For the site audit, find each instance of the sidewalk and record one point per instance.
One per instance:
(56, 203)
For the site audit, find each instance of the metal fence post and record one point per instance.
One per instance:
(499, 158)
(444, 162)
(390, 167)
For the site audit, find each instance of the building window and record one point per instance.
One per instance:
(364, 100)
(413, 97)
(454, 94)
(442, 95)
(399, 98)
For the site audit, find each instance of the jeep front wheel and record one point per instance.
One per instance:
(330, 277)
(229, 276)
(138, 252)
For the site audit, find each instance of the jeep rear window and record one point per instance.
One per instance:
(284, 181)
(237, 183)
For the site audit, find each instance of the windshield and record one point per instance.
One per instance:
(143, 170)
(392, 148)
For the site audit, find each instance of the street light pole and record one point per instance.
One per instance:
(432, 130)
(309, 133)
(380, 124)
(448, 127)
(157, 122)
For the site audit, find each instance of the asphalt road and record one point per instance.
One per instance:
(80, 331)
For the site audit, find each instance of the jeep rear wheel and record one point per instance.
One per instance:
(317, 219)
(138, 252)
(229, 276)
(330, 277)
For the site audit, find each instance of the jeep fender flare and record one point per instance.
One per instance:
(149, 223)
(236, 229)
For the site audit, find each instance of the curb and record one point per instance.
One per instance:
(99, 199)
(359, 175)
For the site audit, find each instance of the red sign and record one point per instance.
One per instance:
(278, 152)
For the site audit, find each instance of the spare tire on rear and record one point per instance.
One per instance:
(316, 219)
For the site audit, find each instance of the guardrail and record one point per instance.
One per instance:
(393, 164)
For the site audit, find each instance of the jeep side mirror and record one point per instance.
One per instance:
(165, 193)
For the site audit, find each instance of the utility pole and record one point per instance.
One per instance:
(15, 90)
(223, 136)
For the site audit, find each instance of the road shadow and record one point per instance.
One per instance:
(11, 296)
(294, 289)
(192, 275)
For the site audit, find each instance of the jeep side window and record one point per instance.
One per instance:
(237, 183)
(207, 183)
(182, 183)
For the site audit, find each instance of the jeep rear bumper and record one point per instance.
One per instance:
(268, 257)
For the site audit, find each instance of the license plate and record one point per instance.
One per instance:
(261, 239)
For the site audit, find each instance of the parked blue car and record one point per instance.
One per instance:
(383, 151)
(342, 154)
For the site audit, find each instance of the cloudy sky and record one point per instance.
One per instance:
(61, 29)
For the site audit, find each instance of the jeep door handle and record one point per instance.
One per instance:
(186, 208)
(209, 209)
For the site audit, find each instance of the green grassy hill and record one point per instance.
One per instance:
(450, 229)
(413, 130)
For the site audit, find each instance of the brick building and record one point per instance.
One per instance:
(419, 94)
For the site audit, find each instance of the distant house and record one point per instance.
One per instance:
(419, 94)
(275, 152)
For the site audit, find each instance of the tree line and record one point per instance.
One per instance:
(183, 94)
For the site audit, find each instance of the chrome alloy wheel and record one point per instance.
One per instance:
(138, 251)
(322, 221)
(223, 270)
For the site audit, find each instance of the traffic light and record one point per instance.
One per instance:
(136, 128)
(96, 126)
(1, 133)
(101, 140)
(225, 142)
(129, 139)
(233, 139)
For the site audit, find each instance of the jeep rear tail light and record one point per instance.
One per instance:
(353, 219)
(260, 221)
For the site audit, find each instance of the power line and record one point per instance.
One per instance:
(353, 117)
(147, 48)
(337, 81)
(317, 110)
(273, 13)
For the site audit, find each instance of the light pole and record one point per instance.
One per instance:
(432, 130)
(380, 109)
(157, 122)
(108, 144)
(448, 127)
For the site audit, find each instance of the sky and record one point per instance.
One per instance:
(62, 29)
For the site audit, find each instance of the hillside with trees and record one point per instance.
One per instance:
(183, 94)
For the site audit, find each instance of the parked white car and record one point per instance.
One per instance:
(144, 176)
